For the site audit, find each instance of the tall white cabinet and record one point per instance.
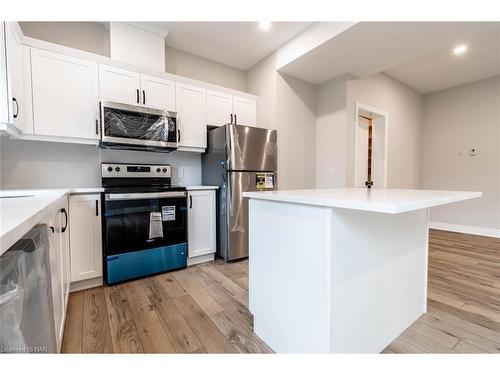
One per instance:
(65, 95)
(191, 116)
(85, 236)
(202, 242)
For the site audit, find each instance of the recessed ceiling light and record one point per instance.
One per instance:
(460, 50)
(264, 26)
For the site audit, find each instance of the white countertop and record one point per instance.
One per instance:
(21, 213)
(202, 187)
(27, 207)
(391, 201)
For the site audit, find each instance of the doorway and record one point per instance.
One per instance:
(370, 159)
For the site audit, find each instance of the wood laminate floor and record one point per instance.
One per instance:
(204, 309)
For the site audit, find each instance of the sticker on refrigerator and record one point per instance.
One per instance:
(264, 180)
(168, 213)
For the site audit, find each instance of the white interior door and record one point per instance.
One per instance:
(219, 108)
(65, 95)
(158, 93)
(191, 115)
(245, 111)
(120, 85)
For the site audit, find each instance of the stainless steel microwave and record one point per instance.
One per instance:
(125, 126)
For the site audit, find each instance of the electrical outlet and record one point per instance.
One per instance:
(330, 172)
(473, 151)
(180, 172)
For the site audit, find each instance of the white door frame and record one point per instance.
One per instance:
(365, 107)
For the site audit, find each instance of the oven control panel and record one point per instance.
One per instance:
(135, 170)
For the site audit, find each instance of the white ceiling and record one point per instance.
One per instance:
(371, 47)
(237, 44)
(442, 70)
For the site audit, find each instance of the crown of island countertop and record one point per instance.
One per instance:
(391, 201)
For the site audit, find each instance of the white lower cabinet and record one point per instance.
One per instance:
(201, 223)
(56, 219)
(85, 236)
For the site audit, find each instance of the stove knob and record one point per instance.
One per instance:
(117, 169)
(164, 170)
(110, 169)
(158, 170)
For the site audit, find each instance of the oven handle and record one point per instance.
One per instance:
(135, 196)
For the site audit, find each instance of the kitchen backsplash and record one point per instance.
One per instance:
(31, 164)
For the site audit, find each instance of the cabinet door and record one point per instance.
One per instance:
(245, 111)
(85, 236)
(19, 82)
(158, 93)
(65, 95)
(201, 223)
(119, 85)
(219, 108)
(191, 115)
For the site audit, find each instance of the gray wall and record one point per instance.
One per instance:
(455, 120)
(32, 164)
(196, 67)
(93, 37)
(404, 108)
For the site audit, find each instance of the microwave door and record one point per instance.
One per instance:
(129, 125)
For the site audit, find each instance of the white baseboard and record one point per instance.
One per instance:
(86, 284)
(468, 229)
(200, 259)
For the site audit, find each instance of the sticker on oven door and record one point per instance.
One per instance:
(264, 180)
(168, 213)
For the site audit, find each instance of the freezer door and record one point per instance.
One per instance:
(237, 208)
(251, 149)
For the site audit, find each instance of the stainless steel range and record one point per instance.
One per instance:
(144, 221)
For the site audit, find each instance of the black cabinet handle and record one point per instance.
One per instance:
(97, 126)
(231, 118)
(17, 107)
(178, 135)
(96, 207)
(52, 229)
(235, 119)
(63, 210)
(190, 201)
(143, 97)
(137, 92)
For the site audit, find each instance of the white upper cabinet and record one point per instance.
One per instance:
(65, 95)
(18, 81)
(191, 116)
(157, 93)
(120, 85)
(245, 111)
(219, 108)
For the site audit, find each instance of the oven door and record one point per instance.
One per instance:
(144, 234)
(134, 127)
(139, 221)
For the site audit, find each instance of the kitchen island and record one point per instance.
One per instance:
(339, 270)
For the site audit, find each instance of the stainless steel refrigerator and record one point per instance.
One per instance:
(238, 159)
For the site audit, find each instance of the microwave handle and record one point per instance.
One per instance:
(178, 135)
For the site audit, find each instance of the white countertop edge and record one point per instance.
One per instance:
(24, 225)
(382, 207)
(202, 187)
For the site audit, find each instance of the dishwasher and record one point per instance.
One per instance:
(26, 309)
